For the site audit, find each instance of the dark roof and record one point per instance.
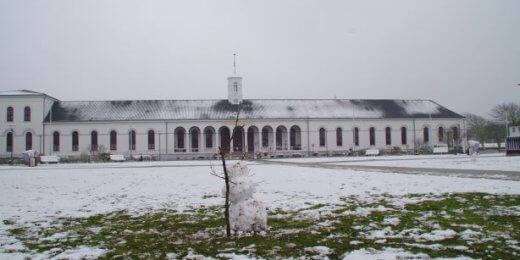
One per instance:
(149, 110)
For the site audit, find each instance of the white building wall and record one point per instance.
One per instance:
(165, 138)
(364, 125)
(103, 129)
(39, 105)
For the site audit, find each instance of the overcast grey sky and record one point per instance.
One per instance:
(463, 54)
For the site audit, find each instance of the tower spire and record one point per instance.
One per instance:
(234, 65)
(234, 85)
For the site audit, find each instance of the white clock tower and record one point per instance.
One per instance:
(235, 90)
(234, 86)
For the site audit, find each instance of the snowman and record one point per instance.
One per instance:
(246, 214)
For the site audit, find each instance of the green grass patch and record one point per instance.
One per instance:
(484, 225)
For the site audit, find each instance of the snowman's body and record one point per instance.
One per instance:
(246, 214)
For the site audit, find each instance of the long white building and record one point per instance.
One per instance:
(181, 129)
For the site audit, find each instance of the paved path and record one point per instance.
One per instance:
(465, 173)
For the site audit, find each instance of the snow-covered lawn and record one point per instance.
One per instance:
(86, 189)
(483, 162)
(44, 194)
(381, 157)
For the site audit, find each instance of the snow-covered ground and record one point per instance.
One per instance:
(371, 158)
(46, 192)
(85, 189)
(495, 161)
(478, 163)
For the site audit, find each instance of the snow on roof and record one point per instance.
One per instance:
(145, 110)
(19, 92)
(24, 92)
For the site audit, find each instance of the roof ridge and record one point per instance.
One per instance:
(263, 99)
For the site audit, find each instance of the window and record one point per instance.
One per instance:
(252, 139)
(27, 114)
(194, 139)
(75, 141)
(403, 135)
(441, 134)
(131, 140)
(281, 138)
(265, 138)
(56, 141)
(356, 136)
(179, 139)
(322, 136)
(113, 140)
(339, 136)
(235, 86)
(388, 136)
(265, 135)
(208, 133)
(28, 141)
(295, 138)
(10, 114)
(426, 135)
(151, 140)
(9, 142)
(225, 138)
(372, 136)
(93, 141)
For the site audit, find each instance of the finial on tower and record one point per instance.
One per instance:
(234, 65)
(234, 85)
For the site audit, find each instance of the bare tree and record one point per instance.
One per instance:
(495, 132)
(477, 126)
(223, 153)
(506, 112)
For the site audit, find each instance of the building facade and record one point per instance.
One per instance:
(186, 129)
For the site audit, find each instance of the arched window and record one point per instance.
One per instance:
(372, 136)
(356, 136)
(388, 136)
(56, 141)
(252, 139)
(441, 134)
(10, 114)
(131, 140)
(194, 139)
(322, 136)
(94, 141)
(281, 138)
(180, 134)
(28, 141)
(113, 140)
(209, 132)
(339, 136)
(238, 139)
(9, 142)
(295, 138)
(403, 135)
(27, 114)
(426, 135)
(75, 141)
(266, 132)
(225, 138)
(151, 140)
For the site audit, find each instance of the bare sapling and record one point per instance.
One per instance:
(223, 153)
